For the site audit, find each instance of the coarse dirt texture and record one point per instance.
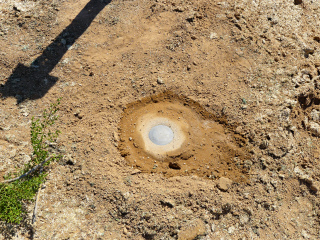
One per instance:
(255, 64)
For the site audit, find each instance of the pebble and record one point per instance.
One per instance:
(213, 35)
(9, 137)
(12, 153)
(231, 229)
(304, 234)
(174, 165)
(136, 171)
(224, 184)
(315, 186)
(168, 202)
(70, 160)
(160, 80)
(315, 128)
(25, 158)
(19, 7)
(244, 218)
(315, 115)
(79, 114)
(213, 227)
(116, 136)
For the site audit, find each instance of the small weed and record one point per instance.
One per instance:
(15, 194)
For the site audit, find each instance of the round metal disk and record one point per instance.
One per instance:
(161, 135)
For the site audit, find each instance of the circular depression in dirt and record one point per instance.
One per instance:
(174, 135)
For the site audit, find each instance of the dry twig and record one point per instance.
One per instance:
(29, 172)
(34, 216)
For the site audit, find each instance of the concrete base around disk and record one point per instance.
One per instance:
(147, 122)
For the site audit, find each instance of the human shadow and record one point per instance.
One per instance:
(34, 82)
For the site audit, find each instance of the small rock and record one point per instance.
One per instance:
(9, 137)
(224, 184)
(231, 229)
(264, 144)
(247, 164)
(192, 230)
(213, 227)
(304, 234)
(150, 234)
(315, 115)
(213, 35)
(174, 165)
(244, 218)
(308, 51)
(178, 9)
(19, 7)
(315, 128)
(79, 114)
(70, 160)
(12, 153)
(25, 158)
(186, 155)
(190, 17)
(168, 202)
(238, 130)
(302, 176)
(116, 136)
(315, 186)
(160, 80)
(136, 171)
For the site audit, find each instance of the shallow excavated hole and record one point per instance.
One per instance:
(174, 135)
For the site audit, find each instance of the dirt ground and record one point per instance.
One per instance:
(244, 75)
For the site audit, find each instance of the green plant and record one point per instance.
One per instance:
(15, 194)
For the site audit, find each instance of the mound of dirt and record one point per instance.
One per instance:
(205, 146)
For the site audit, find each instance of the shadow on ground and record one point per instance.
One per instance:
(25, 227)
(34, 82)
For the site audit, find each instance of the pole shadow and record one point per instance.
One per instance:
(34, 82)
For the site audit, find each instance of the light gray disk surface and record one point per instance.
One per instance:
(161, 135)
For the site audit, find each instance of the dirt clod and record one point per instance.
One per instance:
(192, 230)
(224, 183)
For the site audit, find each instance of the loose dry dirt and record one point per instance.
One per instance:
(248, 72)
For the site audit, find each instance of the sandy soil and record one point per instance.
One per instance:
(243, 75)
